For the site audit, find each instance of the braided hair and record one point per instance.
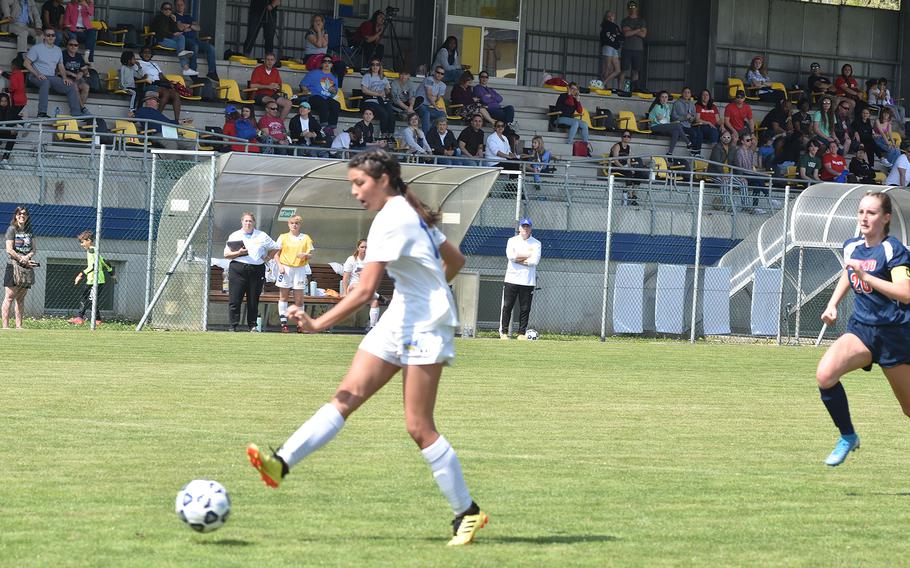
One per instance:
(375, 163)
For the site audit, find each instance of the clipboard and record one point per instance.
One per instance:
(235, 245)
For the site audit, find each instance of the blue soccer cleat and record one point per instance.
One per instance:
(845, 445)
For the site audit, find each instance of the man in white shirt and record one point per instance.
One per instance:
(523, 252)
(900, 172)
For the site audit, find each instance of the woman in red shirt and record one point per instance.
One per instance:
(709, 116)
(846, 87)
(16, 86)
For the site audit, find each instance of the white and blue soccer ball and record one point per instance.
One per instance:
(204, 505)
(532, 334)
(596, 84)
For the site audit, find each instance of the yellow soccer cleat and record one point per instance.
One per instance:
(466, 525)
(270, 467)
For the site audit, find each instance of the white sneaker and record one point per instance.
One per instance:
(758, 211)
(185, 53)
(5, 165)
(190, 72)
(886, 163)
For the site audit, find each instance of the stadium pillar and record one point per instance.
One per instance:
(904, 50)
(700, 44)
(212, 21)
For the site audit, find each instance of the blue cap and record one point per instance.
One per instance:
(230, 109)
(525, 221)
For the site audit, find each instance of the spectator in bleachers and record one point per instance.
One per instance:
(322, 86)
(266, 79)
(78, 22)
(900, 172)
(272, 126)
(52, 13)
(129, 78)
(879, 95)
(883, 138)
(861, 167)
(167, 34)
(149, 112)
(776, 123)
(758, 81)
(367, 138)
(316, 47)
(738, 116)
(471, 141)
(845, 86)
(369, 36)
(414, 139)
(261, 14)
(810, 162)
(492, 101)
(498, 148)
(628, 168)
(818, 83)
(404, 97)
(568, 105)
(345, 141)
(443, 142)
(7, 137)
(864, 135)
(833, 164)
(154, 75)
(661, 122)
(25, 21)
(724, 152)
(634, 31)
(463, 95)
(45, 65)
(231, 120)
(708, 117)
(433, 88)
(843, 128)
(76, 69)
(683, 111)
(823, 120)
(802, 118)
(748, 160)
(15, 84)
(190, 29)
(611, 37)
(376, 91)
(540, 159)
(447, 58)
(305, 129)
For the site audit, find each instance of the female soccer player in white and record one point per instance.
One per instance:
(877, 267)
(415, 335)
(353, 266)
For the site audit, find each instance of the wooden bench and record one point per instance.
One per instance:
(324, 276)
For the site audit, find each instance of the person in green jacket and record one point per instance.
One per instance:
(87, 241)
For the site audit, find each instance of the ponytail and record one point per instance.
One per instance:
(375, 163)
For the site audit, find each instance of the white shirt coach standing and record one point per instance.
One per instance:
(248, 250)
(523, 252)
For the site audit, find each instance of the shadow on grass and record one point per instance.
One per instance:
(227, 542)
(550, 539)
(878, 494)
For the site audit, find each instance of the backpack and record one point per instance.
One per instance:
(131, 37)
(209, 90)
(245, 129)
(607, 119)
(580, 148)
(94, 82)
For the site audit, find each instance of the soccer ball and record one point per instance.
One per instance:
(532, 334)
(596, 84)
(203, 505)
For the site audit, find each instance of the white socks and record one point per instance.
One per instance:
(374, 316)
(283, 309)
(315, 433)
(447, 471)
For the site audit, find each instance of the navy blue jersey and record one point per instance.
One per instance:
(869, 306)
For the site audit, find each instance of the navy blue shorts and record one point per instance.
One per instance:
(889, 344)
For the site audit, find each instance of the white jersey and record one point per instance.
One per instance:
(422, 299)
(355, 267)
(522, 274)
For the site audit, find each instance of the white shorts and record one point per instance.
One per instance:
(293, 277)
(419, 348)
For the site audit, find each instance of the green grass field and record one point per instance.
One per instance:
(628, 453)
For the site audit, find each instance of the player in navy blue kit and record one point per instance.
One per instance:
(877, 267)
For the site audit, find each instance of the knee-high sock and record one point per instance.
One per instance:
(447, 471)
(283, 310)
(374, 316)
(835, 400)
(315, 433)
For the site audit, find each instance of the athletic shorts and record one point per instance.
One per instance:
(632, 59)
(889, 344)
(608, 51)
(294, 277)
(418, 348)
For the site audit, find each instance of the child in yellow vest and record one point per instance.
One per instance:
(86, 299)
(293, 266)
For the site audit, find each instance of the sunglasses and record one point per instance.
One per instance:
(271, 108)
(845, 107)
(72, 45)
(626, 136)
(747, 139)
(50, 35)
(439, 72)
(374, 64)
(166, 9)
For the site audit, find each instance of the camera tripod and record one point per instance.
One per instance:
(394, 44)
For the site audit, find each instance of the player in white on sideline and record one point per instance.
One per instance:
(415, 334)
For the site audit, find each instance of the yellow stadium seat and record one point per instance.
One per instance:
(173, 78)
(228, 90)
(627, 121)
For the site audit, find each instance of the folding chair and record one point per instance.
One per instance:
(339, 42)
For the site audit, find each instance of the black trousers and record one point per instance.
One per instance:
(524, 295)
(244, 280)
(267, 20)
(326, 109)
(86, 300)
